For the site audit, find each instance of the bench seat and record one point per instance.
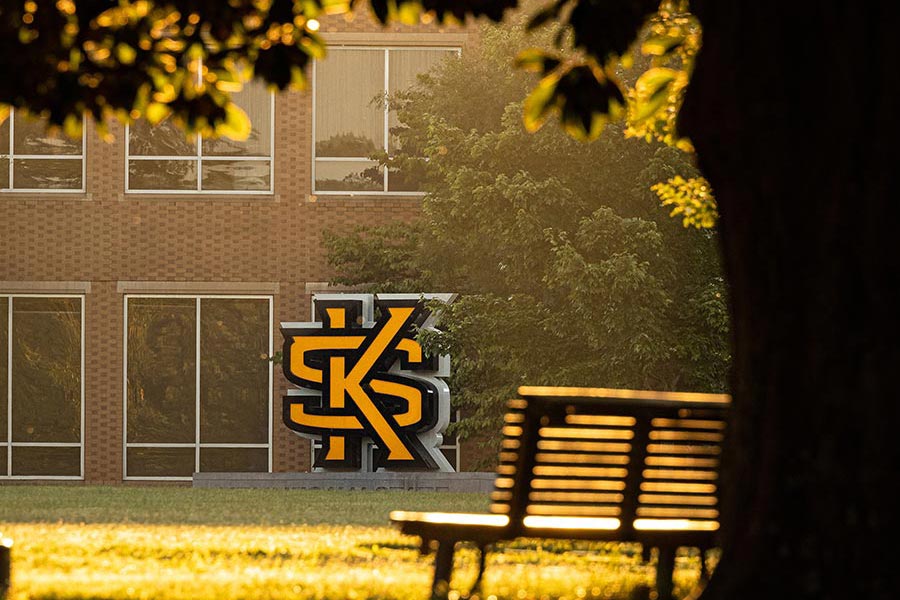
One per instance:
(594, 464)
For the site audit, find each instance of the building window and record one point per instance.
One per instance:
(41, 387)
(162, 159)
(33, 160)
(198, 385)
(353, 117)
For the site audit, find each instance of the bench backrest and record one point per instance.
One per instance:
(615, 460)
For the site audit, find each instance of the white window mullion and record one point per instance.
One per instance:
(9, 348)
(199, 189)
(271, 316)
(125, 370)
(12, 136)
(313, 128)
(127, 185)
(272, 142)
(197, 391)
(387, 111)
(199, 163)
(81, 302)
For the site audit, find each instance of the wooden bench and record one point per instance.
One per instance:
(595, 464)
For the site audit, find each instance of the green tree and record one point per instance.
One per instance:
(570, 272)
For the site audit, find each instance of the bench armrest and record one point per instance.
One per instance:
(482, 528)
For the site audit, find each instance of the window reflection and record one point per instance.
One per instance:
(46, 370)
(348, 117)
(45, 461)
(47, 174)
(234, 375)
(160, 462)
(230, 387)
(162, 175)
(236, 175)
(405, 68)
(4, 345)
(352, 97)
(162, 139)
(349, 176)
(40, 160)
(234, 460)
(32, 137)
(40, 386)
(256, 101)
(161, 370)
(162, 159)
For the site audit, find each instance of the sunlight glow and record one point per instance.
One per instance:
(451, 518)
(675, 524)
(538, 522)
(564, 392)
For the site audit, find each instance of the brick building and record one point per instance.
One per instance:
(142, 281)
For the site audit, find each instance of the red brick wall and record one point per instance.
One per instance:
(105, 236)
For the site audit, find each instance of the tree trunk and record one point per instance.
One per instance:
(792, 112)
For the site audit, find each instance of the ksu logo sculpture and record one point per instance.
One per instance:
(365, 379)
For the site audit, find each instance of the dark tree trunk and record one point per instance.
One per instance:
(793, 113)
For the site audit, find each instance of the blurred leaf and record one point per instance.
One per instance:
(538, 104)
(651, 81)
(156, 112)
(661, 45)
(536, 61)
(125, 53)
(72, 126)
(691, 198)
(652, 91)
(237, 124)
(587, 100)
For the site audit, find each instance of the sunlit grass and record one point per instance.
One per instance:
(65, 549)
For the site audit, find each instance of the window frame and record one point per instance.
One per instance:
(386, 50)
(9, 412)
(198, 159)
(197, 445)
(10, 155)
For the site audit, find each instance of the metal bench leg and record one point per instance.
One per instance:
(482, 562)
(665, 568)
(443, 566)
(704, 567)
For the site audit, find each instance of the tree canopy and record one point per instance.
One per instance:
(145, 58)
(181, 60)
(569, 270)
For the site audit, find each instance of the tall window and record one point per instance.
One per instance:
(33, 160)
(162, 159)
(41, 387)
(198, 386)
(353, 118)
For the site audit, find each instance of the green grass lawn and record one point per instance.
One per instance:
(182, 543)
